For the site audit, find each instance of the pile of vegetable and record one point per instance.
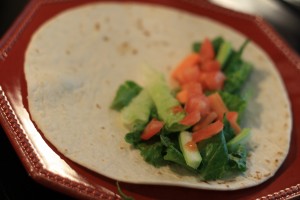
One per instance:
(197, 125)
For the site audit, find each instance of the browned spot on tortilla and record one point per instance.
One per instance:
(258, 175)
(276, 161)
(134, 51)
(287, 115)
(107, 82)
(280, 153)
(98, 106)
(105, 38)
(97, 26)
(147, 33)
(159, 173)
(126, 47)
(267, 161)
(266, 175)
(140, 26)
(122, 148)
(227, 186)
(123, 48)
(68, 52)
(103, 127)
(37, 50)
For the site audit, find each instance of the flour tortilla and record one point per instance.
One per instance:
(76, 61)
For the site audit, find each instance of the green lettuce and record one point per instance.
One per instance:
(125, 93)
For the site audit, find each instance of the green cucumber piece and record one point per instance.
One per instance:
(137, 113)
(240, 139)
(224, 53)
(192, 156)
(164, 101)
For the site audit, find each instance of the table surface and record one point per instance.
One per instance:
(15, 183)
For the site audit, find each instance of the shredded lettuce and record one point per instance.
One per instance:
(125, 93)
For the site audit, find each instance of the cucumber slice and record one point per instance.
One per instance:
(137, 113)
(164, 101)
(224, 53)
(241, 138)
(191, 155)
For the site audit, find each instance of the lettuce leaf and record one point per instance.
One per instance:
(214, 157)
(125, 93)
(234, 102)
(153, 153)
(238, 159)
(227, 130)
(237, 76)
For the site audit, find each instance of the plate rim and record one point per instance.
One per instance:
(23, 146)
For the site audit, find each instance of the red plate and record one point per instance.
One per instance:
(46, 166)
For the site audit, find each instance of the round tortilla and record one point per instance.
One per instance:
(76, 61)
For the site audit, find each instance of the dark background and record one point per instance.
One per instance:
(14, 180)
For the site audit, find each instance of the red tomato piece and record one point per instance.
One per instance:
(207, 132)
(182, 96)
(191, 60)
(193, 88)
(152, 128)
(211, 65)
(189, 74)
(189, 90)
(214, 80)
(193, 104)
(217, 104)
(232, 118)
(208, 119)
(207, 50)
(191, 118)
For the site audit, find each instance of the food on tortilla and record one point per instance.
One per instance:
(192, 128)
(76, 61)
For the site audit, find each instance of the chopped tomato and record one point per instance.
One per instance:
(214, 80)
(232, 118)
(186, 68)
(193, 88)
(152, 128)
(207, 50)
(193, 104)
(182, 96)
(189, 74)
(191, 118)
(204, 105)
(195, 107)
(210, 65)
(189, 90)
(217, 105)
(208, 119)
(207, 132)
